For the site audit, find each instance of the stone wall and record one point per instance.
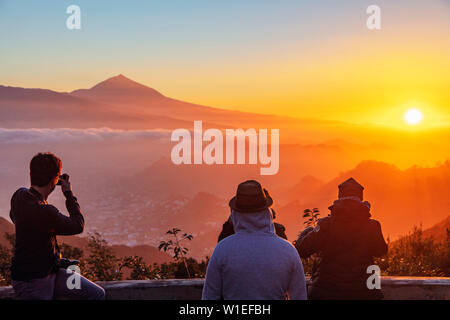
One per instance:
(394, 288)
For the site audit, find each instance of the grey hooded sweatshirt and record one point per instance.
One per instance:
(254, 263)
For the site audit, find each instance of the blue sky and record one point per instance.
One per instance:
(201, 50)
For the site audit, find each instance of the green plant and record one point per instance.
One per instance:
(139, 269)
(416, 255)
(6, 254)
(101, 264)
(311, 216)
(5, 260)
(175, 246)
(70, 252)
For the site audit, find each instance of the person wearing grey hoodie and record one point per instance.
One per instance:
(254, 263)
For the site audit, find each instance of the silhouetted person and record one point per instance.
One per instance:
(228, 229)
(37, 270)
(346, 243)
(254, 263)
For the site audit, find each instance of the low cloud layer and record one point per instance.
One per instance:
(62, 135)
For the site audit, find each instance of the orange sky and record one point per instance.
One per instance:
(315, 60)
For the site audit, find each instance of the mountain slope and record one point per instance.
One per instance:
(399, 199)
(439, 230)
(126, 93)
(117, 89)
(38, 108)
(119, 102)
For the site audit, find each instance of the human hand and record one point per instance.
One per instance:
(65, 183)
(305, 232)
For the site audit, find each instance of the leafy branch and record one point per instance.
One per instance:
(175, 246)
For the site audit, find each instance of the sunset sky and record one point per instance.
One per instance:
(297, 58)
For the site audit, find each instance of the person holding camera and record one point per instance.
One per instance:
(346, 243)
(37, 270)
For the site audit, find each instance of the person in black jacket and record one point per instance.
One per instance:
(346, 243)
(36, 265)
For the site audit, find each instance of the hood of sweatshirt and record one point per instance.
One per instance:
(255, 222)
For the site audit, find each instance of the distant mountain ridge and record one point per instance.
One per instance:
(400, 199)
(121, 103)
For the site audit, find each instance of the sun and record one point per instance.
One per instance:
(413, 116)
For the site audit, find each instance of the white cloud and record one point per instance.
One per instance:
(62, 135)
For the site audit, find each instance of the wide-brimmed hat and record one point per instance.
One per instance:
(250, 197)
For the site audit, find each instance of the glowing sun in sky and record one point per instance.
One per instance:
(413, 116)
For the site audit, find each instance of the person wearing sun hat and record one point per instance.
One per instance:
(346, 243)
(254, 263)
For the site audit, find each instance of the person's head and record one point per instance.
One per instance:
(350, 188)
(250, 197)
(45, 169)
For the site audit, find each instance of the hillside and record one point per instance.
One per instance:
(117, 102)
(439, 230)
(400, 199)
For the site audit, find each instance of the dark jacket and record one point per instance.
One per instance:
(346, 243)
(37, 224)
(228, 230)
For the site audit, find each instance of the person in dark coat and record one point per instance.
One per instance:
(228, 229)
(346, 243)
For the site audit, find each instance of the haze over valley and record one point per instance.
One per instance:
(114, 140)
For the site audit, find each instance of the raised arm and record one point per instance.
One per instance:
(310, 240)
(62, 224)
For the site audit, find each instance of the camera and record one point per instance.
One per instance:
(62, 177)
(66, 263)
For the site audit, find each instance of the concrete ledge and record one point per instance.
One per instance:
(394, 288)
(153, 289)
(415, 288)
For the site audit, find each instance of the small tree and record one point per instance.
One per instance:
(101, 264)
(5, 259)
(197, 269)
(139, 269)
(70, 252)
(175, 246)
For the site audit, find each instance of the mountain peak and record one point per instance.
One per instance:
(119, 78)
(119, 82)
(118, 85)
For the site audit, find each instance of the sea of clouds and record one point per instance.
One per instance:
(63, 135)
